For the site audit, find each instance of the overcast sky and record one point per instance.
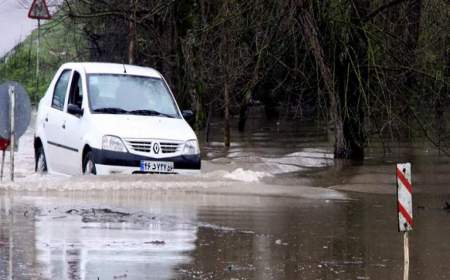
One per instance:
(14, 23)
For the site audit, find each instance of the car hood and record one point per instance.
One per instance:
(143, 127)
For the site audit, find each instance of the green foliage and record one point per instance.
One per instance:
(385, 61)
(59, 43)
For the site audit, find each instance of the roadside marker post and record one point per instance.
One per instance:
(404, 206)
(12, 100)
(15, 116)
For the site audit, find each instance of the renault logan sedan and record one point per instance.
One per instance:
(102, 118)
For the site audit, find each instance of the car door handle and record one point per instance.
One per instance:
(46, 119)
(64, 125)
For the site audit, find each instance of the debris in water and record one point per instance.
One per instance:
(248, 176)
(109, 211)
(59, 217)
(105, 215)
(156, 242)
(447, 206)
(279, 242)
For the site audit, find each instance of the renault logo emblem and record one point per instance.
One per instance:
(156, 148)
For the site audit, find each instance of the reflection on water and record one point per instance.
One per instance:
(46, 240)
(73, 250)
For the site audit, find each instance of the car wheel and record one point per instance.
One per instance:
(41, 162)
(89, 165)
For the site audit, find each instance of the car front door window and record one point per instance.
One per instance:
(59, 94)
(76, 90)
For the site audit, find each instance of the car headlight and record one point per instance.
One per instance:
(113, 143)
(191, 147)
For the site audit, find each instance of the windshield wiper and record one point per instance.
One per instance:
(149, 113)
(111, 110)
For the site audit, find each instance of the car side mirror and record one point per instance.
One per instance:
(187, 114)
(75, 110)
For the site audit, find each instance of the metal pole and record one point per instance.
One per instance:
(12, 99)
(37, 58)
(11, 240)
(406, 256)
(2, 165)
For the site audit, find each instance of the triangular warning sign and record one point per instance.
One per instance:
(39, 10)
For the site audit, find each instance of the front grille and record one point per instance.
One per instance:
(145, 146)
(168, 148)
(140, 146)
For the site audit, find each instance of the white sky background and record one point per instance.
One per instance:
(15, 25)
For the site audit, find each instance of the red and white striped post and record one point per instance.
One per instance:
(404, 205)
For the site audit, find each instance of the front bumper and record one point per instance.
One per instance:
(109, 162)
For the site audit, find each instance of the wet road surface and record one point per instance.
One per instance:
(265, 209)
(199, 236)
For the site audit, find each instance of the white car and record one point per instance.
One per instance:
(104, 118)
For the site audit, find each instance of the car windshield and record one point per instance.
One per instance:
(126, 94)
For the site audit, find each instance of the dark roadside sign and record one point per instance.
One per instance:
(22, 112)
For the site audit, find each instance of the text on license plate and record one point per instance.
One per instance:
(156, 166)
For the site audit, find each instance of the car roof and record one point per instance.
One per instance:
(114, 68)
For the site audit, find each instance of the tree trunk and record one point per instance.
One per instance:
(442, 102)
(243, 114)
(226, 87)
(132, 34)
(413, 15)
(310, 32)
(352, 86)
(131, 43)
(414, 12)
(208, 122)
(345, 97)
(226, 119)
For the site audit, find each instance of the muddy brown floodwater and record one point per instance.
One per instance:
(275, 206)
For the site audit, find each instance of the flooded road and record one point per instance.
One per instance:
(275, 206)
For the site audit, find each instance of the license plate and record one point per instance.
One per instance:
(157, 166)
